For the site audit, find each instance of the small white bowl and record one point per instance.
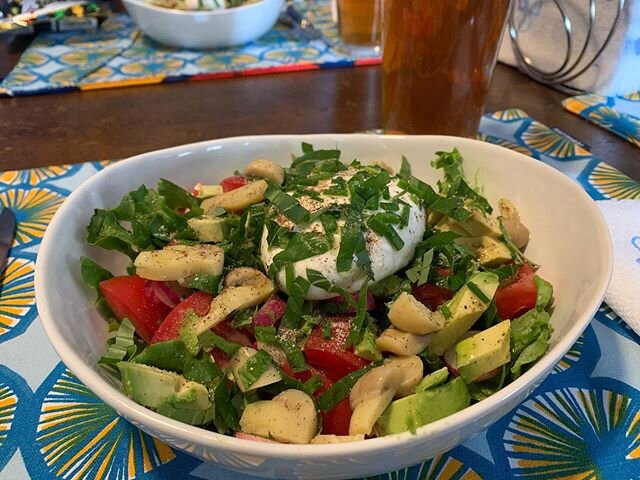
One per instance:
(205, 29)
(569, 238)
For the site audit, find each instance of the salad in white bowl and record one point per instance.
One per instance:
(200, 4)
(325, 302)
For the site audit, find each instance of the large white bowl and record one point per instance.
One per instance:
(569, 239)
(205, 29)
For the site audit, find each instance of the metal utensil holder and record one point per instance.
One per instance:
(570, 68)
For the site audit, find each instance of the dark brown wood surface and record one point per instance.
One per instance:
(75, 127)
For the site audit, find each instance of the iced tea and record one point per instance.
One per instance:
(438, 58)
(359, 22)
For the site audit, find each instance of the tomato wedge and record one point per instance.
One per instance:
(335, 421)
(127, 298)
(519, 296)
(431, 295)
(231, 183)
(199, 303)
(331, 355)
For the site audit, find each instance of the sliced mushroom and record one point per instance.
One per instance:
(266, 169)
(409, 315)
(326, 439)
(289, 417)
(412, 373)
(237, 200)
(479, 223)
(177, 262)
(402, 343)
(433, 218)
(244, 288)
(370, 395)
(512, 224)
(276, 353)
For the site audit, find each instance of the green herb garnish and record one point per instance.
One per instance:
(477, 292)
(254, 368)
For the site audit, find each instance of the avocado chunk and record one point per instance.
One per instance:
(463, 310)
(422, 408)
(434, 379)
(184, 412)
(209, 229)
(489, 251)
(207, 191)
(479, 223)
(485, 351)
(160, 389)
(447, 224)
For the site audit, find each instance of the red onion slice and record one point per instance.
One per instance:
(162, 292)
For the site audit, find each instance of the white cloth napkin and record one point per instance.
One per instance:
(623, 295)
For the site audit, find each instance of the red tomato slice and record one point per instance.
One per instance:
(199, 303)
(231, 183)
(126, 297)
(331, 355)
(336, 421)
(431, 295)
(519, 296)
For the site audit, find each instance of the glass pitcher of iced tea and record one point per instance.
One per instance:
(438, 58)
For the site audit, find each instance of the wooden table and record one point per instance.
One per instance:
(81, 126)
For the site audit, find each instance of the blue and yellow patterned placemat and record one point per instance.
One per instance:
(620, 115)
(583, 422)
(120, 55)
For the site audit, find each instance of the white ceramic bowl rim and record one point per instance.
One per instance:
(178, 430)
(195, 13)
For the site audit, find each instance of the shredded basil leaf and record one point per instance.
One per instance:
(297, 291)
(503, 272)
(405, 168)
(317, 279)
(419, 270)
(379, 223)
(301, 246)
(254, 368)
(178, 198)
(342, 388)
(288, 205)
(94, 274)
(454, 183)
(545, 292)
(224, 408)
(516, 254)
(210, 339)
(478, 293)
(295, 357)
(355, 335)
(491, 316)
(243, 318)
(205, 282)
(169, 355)
(122, 346)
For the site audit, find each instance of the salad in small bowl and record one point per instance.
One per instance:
(328, 301)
